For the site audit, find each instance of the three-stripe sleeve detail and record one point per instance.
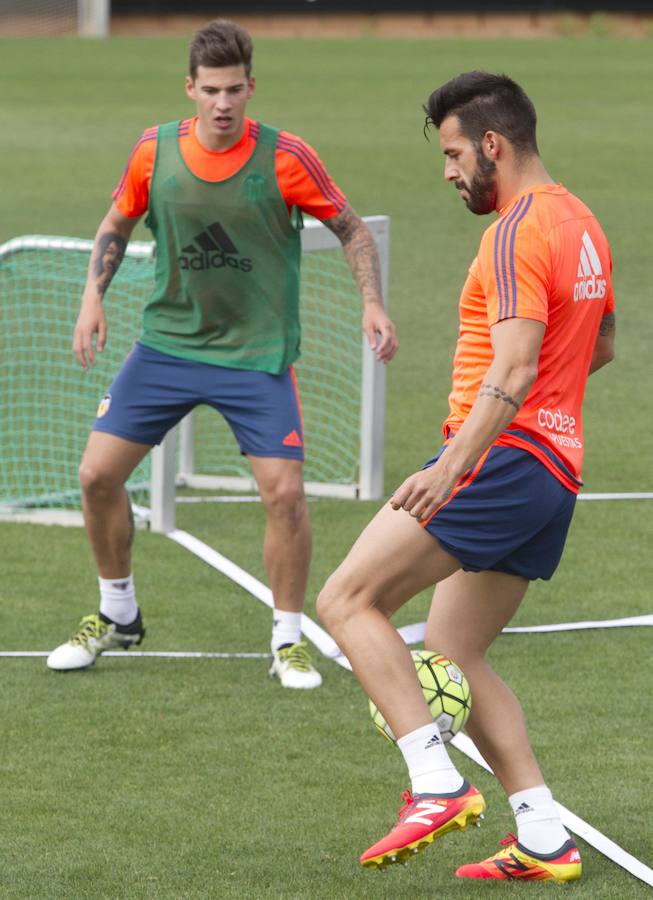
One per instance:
(504, 258)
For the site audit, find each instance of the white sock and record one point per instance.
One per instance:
(118, 599)
(430, 769)
(286, 628)
(539, 827)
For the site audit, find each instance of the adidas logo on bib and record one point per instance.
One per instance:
(213, 249)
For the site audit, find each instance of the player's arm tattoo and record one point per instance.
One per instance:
(344, 225)
(360, 252)
(490, 390)
(110, 252)
(607, 325)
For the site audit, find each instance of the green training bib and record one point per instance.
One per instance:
(226, 286)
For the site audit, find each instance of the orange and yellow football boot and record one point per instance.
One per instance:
(515, 861)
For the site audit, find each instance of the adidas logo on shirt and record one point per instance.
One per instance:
(213, 249)
(589, 284)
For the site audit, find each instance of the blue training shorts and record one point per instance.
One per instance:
(153, 391)
(511, 516)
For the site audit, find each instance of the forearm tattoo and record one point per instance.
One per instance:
(360, 251)
(110, 252)
(607, 325)
(490, 390)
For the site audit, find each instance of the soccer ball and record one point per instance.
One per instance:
(446, 691)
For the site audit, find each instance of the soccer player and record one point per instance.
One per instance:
(223, 196)
(490, 512)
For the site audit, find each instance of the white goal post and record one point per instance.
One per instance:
(93, 18)
(174, 465)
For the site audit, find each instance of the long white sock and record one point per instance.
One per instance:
(118, 599)
(430, 769)
(539, 827)
(286, 628)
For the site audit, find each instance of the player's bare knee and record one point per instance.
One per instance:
(326, 605)
(95, 481)
(286, 500)
(337, 602)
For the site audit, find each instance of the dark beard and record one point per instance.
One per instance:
(482, 190)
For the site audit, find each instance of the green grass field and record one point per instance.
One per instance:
(165, 778)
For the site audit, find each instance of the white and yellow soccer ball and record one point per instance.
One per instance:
(446, 691)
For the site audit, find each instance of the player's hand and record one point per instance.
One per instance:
(422, 493)
(91, 323)
(380, 331)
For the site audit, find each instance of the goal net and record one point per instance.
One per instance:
(49, 403)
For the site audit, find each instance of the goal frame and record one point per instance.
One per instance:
(169, 469)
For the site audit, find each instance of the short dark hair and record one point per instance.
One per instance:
(485, 102)
(220, 43)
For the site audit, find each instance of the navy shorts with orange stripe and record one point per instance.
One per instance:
(512, 515)
(153, 391)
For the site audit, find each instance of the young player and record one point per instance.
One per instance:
(490, 511)
(223, 195)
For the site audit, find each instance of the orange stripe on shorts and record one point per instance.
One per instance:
(464, 481)
(293, 378)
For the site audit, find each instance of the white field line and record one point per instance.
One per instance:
(9, 513)
(413, 634)
(255, 498)
(219, 498)
(310, 628)
(326, 645)
(625, 496)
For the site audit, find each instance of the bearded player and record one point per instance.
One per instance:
(489, 513)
